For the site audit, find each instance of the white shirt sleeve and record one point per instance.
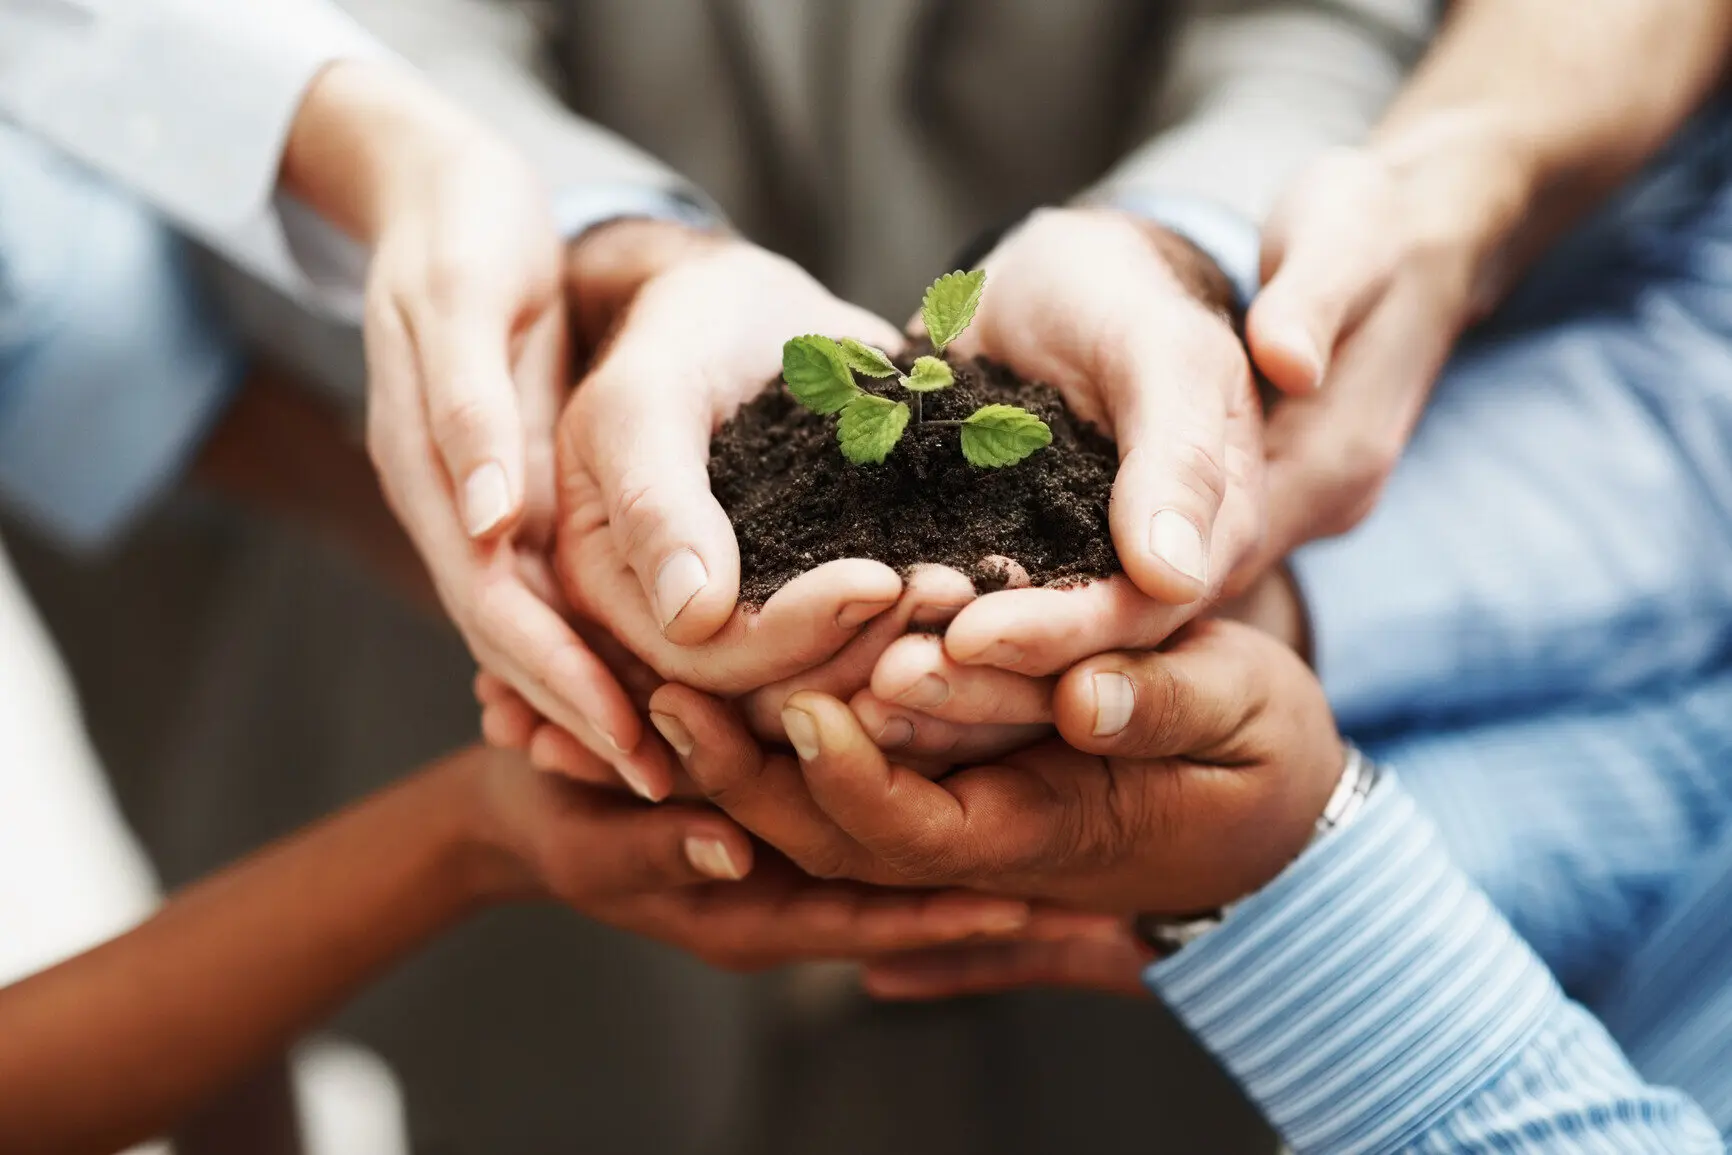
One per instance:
(188, 104)
(1259, 87)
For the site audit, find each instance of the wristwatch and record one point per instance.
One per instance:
(1167, 934)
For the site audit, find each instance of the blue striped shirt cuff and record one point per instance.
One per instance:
(1367, 992)
(1232, 241)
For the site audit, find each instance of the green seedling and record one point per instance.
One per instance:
(820, 374)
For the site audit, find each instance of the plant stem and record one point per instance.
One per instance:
(920, 409)
(936, 424)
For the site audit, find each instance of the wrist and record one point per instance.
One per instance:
(1194, 270)
(1469, 183)
(488, 863)
(366, 138)
(607, 265)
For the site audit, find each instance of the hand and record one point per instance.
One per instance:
(1374, 263)
(644, 548)
(1185, 780)
(1127, 322)
(689, 877)
(465, 331)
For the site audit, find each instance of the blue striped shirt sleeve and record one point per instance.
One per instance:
(1371, 999)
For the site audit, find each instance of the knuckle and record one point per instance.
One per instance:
(1201, 471)
(449, 281)
(921, 859)
(826, 861)
(1160, 723)
(462, 425)
(631, 508)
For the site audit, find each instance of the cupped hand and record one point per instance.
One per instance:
(644, 548)
(1130, 325)
(689, 877)
(1184, 780)
(466, 341)
(1373, 264)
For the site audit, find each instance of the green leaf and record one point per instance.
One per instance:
(817, 374)
(949, 305)
(863, 358)
(999, 435)
(929, 375)
(870, 428)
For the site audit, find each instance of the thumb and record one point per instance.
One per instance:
(1325, 267)
(648, 455)
(1184, 702)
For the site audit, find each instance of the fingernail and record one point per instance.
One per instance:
(1115, 698)
(859, 613)
(679, 580)
(675, 732)
(1007, 921)
(929, 691)
(633, 777)
(1177, 541)
(486, 498)
(1305, 352)
(936, 614)
(802, 731)
(712, 859)
(896, 733)
(999, 654)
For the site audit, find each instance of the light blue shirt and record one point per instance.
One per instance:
(1535, 627)
(1372, 999)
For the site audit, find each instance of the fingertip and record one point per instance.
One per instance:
(984, 633)
(718, 742)
(490, 504)
(1285, 352)
(819, 612)
(1092, 704)
(718, 854)
(1167, 557)
(904, 663)
(889, 728)
(693, 595)
(507, 725)
(939, 593)
(552, 749)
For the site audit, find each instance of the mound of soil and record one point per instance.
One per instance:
(797, 503)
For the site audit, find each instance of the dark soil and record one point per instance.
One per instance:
(797, 503)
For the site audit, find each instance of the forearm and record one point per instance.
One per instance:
(1533, 110)
(365, 133)
(121, 1042)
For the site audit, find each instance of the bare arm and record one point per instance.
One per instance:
(1534, 110)
(125, 1040)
